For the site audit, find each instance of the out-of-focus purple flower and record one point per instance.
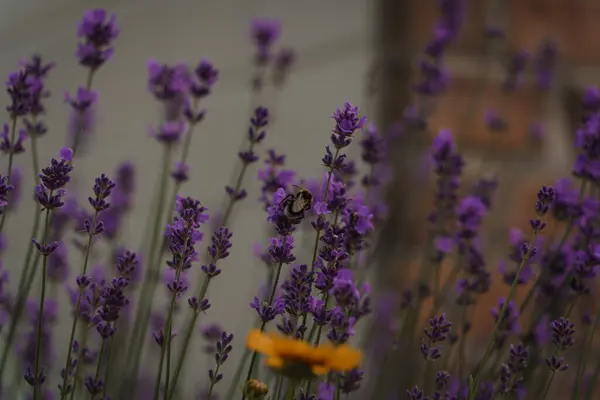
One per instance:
(326, 391)
(206, 76)
(12, 147)
(169, 132)
(97, 32)
(211, 333)
(36, 67)
(166, 82)
(448, 166)
(25, 91)
(546, 63)
(566, 201)
(509, 324)
(284, 61)
(5, 192)
(437, 332)
(264, 33)
(470, 213)
(273, 176)
(58, 264)
(180, 172)
(433, 79)
(511, 372)
(494, 121)
(515, 70)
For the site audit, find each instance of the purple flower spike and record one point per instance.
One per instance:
(97, 31)
(264, 34)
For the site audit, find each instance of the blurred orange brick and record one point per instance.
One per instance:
(462, 109)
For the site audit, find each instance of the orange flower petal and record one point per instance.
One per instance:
(274, 362)
(319, 370)
(260, 342)
(345, 358)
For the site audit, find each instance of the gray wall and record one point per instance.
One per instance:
(332, 41)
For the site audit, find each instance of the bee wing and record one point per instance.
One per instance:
(299, 204)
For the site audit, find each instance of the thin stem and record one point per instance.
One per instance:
(188, 335)
(262, 326)
(149, 286)
(462, 342)
(88, 250)
(106, 375)
(501, 316)
(27, 271)
(38, 350)
(13, 131)
(592, 382)
(318, 235)
(548, 384)
(291, 389)
(278, 387)
(588, 350)
(166, 346)
(556, 252)
(80, 125)
(77, 377)
(99, 363)
(183, 160)
(237, 187)
(238, 374)
(213, 381)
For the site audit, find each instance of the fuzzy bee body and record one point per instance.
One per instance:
(294, 205)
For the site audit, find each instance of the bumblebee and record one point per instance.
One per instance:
(294, 205)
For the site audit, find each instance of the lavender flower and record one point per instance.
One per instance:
(264, 34)
(97, 31)
(511, 372)
(224, 347)
(438, 330)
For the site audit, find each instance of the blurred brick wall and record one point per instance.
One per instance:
(521, 163)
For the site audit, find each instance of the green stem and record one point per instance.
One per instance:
(38, 350)
(548, 384)
(500, 320)
(212, 382)
(318, 235)
(13, 131)
(278, 387)
(166, 346)
(262, 326)
(588, 350)
(151, 281)
(88, 250)
(592, 384)
(461, 343)
(107, 367)
(27, 277)
(238, 374)
(79, 132)
(78, 370)
(291, 389)
(537, 283)
(237, 187)
(99, 363)
(188, 335)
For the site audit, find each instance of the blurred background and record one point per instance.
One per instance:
(364, 51)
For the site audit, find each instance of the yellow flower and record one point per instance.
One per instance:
(298, 358)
